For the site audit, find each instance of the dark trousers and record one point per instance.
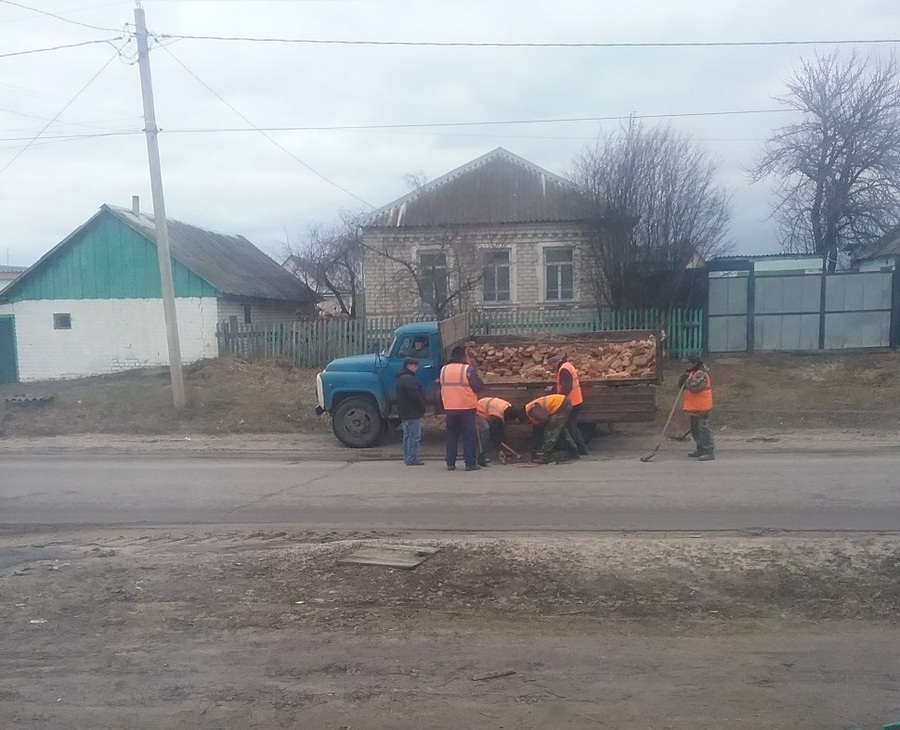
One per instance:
(546, 437)
(461, 424)
(572, 427)
(701, 430)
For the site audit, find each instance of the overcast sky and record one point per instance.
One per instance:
(236, 180)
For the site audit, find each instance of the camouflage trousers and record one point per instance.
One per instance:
(702, 431)
(556, 429)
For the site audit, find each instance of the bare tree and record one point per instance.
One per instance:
(329, 259)
(838, 169)
(654, 210)
(441, 275)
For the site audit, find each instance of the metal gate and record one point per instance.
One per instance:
(9, 369)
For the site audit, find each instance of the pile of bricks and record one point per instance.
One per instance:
(628, 360)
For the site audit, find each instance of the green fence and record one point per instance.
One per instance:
(313, 344)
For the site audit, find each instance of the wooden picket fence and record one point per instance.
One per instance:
(315, 343)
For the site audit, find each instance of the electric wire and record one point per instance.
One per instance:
(263, 132)
(59, 113)
(58, 17)
(514, 44)
(59, 48)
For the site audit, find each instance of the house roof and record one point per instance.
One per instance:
(12, 269)
(887, 245)
(498, 187)
(230, 263)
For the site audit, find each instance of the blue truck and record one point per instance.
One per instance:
(359, 392)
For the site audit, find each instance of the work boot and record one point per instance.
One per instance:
(707, 456)
(474, 467)
(582, 451)
(696, 453)
(451, 467)
(540, 458)
(482, 460)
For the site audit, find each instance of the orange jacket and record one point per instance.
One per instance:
(575, 395)
(550, 403)
(456, 392)
(702, 400)
(495, 407)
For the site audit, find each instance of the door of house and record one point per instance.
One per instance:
(9, 369)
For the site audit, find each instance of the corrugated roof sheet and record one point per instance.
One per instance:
(12, 269)
(230, 263)
(498, 187)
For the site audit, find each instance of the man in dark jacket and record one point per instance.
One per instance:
(411, 406)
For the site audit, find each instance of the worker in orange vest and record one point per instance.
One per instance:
(569, 385)
(548, 416)
(492, 416)
(698, 403)
(460, 385)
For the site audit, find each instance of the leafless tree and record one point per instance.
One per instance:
(329, 259)
(654, 209)
(838, 168)
(442, 275)
(443, 270)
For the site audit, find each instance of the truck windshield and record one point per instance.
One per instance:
(390, 348)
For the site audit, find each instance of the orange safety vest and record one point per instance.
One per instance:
(576, 395)
(495, 407)
(551, 404)
(456, 393)
(699, 402)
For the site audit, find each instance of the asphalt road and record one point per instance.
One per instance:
(738, 491)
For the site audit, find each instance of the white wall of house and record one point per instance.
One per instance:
(107, 335)
(390, 289)
(261, 312)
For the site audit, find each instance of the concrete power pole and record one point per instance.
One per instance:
(159, 211)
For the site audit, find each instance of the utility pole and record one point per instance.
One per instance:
(159, 210)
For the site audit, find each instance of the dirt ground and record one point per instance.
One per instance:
(165, 628)
(777, 393)
(172, 627)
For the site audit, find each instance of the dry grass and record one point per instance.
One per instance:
(227, 395)
(230, 395)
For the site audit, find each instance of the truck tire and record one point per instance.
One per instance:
(357, 423)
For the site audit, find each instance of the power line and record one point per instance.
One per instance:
(58, 48)
(263, 132)
(491, 44)
(58, 17)
(59, 113)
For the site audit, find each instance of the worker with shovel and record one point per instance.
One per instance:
(698, 403)
(493, 415)
(548, 416)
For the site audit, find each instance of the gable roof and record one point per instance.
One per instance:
(498, 187)
(887, 245)
(230, 264)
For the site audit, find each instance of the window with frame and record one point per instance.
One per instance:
(62, 321)
(496, 276)
(433, 268)
(558, 274)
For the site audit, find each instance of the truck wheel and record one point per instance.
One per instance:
(357, 423)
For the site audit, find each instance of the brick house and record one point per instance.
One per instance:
(498, 232)
(93, 304)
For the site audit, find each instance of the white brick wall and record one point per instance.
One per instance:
(390, 290)
(107, 335)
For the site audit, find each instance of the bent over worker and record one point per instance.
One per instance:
(569, 385)
(492, 416)
(460, 385)
(548, 416)
(698, 403)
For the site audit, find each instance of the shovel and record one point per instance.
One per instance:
(680, 437)
(649, 456)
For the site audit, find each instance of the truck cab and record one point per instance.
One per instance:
(360, 391)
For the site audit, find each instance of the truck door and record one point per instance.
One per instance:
(426, 350)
